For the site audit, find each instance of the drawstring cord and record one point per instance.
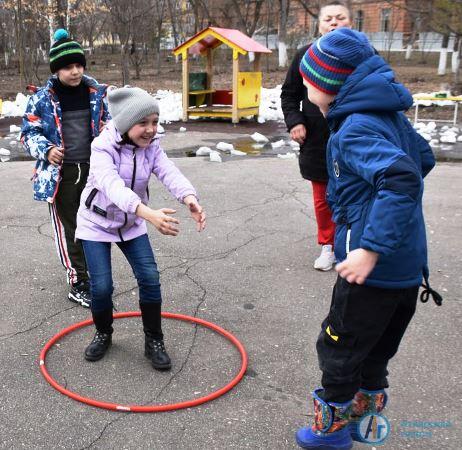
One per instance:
(428, 291)
(80, 173)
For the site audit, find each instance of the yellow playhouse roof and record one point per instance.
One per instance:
(213, 37)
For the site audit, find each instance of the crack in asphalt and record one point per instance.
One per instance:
(202, 298)
(190, 263)
(35, 326)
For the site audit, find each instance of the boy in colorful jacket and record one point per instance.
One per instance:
(59, 124)
(376, 164)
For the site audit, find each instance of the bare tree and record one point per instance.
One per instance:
(446, 18)
(201, 13)
(284, 6)
(160, 9)
(248, 14)
(91, 20)
(125, 16)
(312, 7)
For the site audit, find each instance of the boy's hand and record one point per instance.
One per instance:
(357, 266)
(298, 133)
(197, 213)
(55, 156)
(160, 218)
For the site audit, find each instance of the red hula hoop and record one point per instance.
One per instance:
(151, 408)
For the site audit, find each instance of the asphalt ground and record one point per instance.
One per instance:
(251, 273)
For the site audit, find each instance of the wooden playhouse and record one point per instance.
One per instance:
(200, 99)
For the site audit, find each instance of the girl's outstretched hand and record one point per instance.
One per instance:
(160, 218)
(197, 213)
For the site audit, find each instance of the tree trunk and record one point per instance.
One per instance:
(282, 32)
(408, 52)
(282, 53)
(173, 22)
(20, 41)
(268, 12)
(50, 19)
(125, 55)
(455, 60)
(443, 55)
(61, 19)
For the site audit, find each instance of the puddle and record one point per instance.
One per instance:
(244, 144)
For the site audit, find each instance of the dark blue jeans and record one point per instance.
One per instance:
(139, 254)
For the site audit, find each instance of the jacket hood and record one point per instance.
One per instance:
(111, 134)
(370, 88)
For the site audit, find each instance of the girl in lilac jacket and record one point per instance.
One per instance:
(113, 208)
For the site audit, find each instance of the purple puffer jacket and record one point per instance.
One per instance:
(118, 183)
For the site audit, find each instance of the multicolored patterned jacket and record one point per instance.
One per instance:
(41, 130)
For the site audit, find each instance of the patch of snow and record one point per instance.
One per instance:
(225, 147)
(203, 151)
(449, 138)
(215, 156)
(237, 152)
(278, 144)
(259, 138)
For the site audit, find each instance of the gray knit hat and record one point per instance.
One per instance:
(128, 105)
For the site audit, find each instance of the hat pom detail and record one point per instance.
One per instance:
(60, 34)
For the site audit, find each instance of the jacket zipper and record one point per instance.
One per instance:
(58, 127)
(90, 197)
(347, 242)
(131, 187)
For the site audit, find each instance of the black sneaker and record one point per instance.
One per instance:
(154, 350)
(80, 293)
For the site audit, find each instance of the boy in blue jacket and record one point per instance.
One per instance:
(59, 124)
(376, 164)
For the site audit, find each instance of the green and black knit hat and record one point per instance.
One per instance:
(65, 51)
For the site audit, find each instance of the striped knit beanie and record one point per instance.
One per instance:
(65, 51)
(333, 57)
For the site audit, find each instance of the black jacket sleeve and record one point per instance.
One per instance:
(293, 92)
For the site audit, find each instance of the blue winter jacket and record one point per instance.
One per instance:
(376, 163)
(41, 130)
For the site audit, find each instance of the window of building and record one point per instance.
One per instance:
(359, 20)
(385, 16)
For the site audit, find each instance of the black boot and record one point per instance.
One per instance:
(154, 348)
(103, 337)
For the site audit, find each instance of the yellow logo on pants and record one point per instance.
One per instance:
(329, 332)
